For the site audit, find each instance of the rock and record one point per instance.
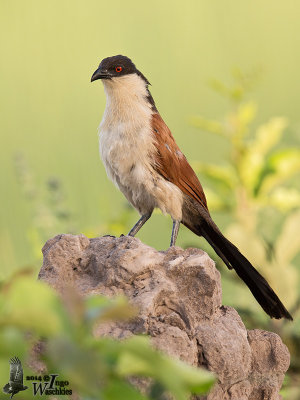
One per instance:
(178, 294)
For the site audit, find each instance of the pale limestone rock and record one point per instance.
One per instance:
(178, 294)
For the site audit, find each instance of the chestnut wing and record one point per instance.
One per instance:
(171, 163)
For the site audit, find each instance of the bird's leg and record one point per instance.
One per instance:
(175, 230)
(144, 218)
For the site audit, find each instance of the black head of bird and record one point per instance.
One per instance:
(114, 67)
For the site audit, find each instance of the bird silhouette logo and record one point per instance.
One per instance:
(15, 384)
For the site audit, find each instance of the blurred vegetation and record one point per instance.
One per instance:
(96, 368)
(258, 188)
(48, 210)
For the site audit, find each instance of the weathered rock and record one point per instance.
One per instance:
(178, 294)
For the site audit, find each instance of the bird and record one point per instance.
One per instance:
(15, 384)
(141, 157)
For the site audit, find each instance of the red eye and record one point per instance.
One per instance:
(119, 69)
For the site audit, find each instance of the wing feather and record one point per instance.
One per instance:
(171, 163)
(16, 370)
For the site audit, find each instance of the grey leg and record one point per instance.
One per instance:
(144, 218)
(175, 230)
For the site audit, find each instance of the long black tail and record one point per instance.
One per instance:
(232, 257)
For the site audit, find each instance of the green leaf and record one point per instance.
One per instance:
(282, 165)
(208, 125)
(222, 175)
(14, 341)
(268, 135)
(288, 243)
(78, 362)
(103, 309)
(241, 119)
(223, 182)
(284, 199)
(216, 202)
(28, 304)
(138, 358)
(118, 390)
(253, 163)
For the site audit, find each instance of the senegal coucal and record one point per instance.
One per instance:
(142, 158)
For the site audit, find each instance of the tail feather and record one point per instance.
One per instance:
(232, 257)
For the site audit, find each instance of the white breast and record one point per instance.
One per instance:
(126, 147)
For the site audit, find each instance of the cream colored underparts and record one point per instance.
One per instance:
(127, 148)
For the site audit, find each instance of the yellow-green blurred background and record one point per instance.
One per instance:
(50, 111)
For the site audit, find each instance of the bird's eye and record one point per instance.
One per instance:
(118, 69)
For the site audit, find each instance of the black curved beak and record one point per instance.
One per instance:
(100, 74)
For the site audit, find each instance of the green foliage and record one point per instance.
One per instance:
(95, 367)
(258, 188)
(49, 214)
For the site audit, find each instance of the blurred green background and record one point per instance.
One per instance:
(216, 67)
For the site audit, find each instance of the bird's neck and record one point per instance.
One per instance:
(127, 100)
